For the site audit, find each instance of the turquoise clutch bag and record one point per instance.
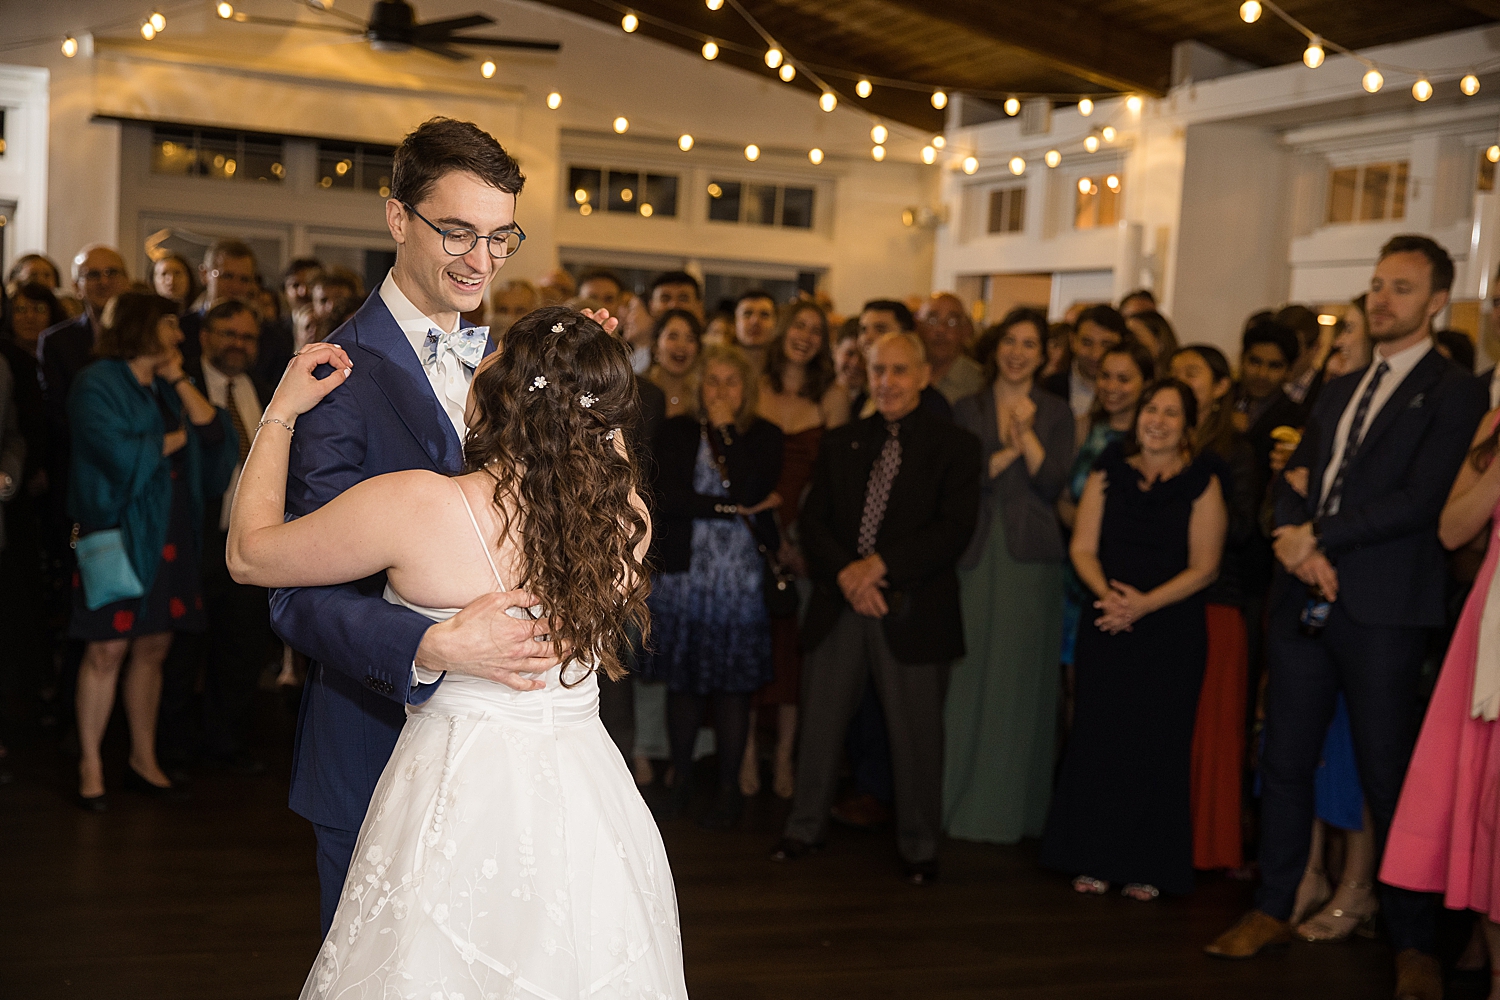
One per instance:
(105, 569)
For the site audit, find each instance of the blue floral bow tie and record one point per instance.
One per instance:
(467, 344)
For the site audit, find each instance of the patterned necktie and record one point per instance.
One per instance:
(238, 419)
(467, 345)
(878, 492)
(1354, 439)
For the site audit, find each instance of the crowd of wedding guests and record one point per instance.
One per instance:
(1085, 581)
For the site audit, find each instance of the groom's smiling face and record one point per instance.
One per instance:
(438, 283)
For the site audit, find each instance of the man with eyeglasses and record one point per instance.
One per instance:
(947, 331)
(229, 273)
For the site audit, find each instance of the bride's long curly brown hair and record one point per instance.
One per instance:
(551, 409)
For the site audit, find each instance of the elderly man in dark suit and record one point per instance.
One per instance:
(893, 503)
(228, 272)
(1357, 514)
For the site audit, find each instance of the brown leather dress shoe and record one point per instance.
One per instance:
(1418, 976)
(1256, 931)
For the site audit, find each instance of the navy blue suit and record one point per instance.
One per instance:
(386, 418)
(1384, 544)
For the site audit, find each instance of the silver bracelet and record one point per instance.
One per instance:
(275, 420)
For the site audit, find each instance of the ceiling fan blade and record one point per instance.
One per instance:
(329, 8)
(440, 50)
(507, 43)
(278, 22)
(436, 29)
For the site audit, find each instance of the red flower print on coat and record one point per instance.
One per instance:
(169, 552)
(176, 608)
(124, 621)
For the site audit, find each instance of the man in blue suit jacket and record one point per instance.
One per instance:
(452, 215)
(1357, 515)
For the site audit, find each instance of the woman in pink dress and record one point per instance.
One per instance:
(1443, 838)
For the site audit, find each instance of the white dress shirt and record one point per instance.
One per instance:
(216, 388)
(1401, 364)
(449, 380)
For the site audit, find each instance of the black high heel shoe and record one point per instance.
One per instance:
(135, 782)
(92, 803)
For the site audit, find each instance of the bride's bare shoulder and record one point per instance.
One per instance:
(415, 485)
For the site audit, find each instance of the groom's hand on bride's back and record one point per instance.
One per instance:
(483, 640)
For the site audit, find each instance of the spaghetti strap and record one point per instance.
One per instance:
(482, 542)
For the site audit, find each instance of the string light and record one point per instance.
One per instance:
(710, 50)
(1469, 85)
(1091, 143)
(148, 30)
(828, 101)
(554, 100)
(815, 155)
(684, 142)
(879, 133)
(487, 69)
(788, 72)
(69, 46)
(1422, 89)
(939, 142)
(713, 4)
(225, 10)
(1492, 154)
(863, 88)
(1133, 104)
(1313, 55)
(1053, 158)
(1084, 184)
(1017, 166)
(1372, 81)
(621, 124)
(1112, 182)
(878, 152)
(773, 58)
(646, 210)
(1250, 11)
(971, 164)
(1085, 107)
(929, 154)
(752, 152)
(157, 21)
(939, 99)
(630, 22)
(1012, 106)
(1109, 133)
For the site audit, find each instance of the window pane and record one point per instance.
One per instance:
(1109, 206)
(583, 187)
(997, 212)
(1375, 192)
(724, 201)
(1341, 184)
(624, 191)
(760, 209)
(218, 156)
(375, 169)
(1484, 182)
(263, 162)
(173, 151)
(336, 165)
(1016, 222)
(1086, 204)
(1398, 196)
(797, 208)
(661, 195)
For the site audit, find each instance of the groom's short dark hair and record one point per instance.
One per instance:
(441, 145)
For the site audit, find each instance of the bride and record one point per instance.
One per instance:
(506, 852)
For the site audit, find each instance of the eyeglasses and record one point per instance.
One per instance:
(103, 274)
(457, 242)
(952, 322)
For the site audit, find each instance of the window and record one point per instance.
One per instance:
(1367, 193)
(1097, 202)
(755, 204)
(349, 166)
(221, 155)
(1485, 180)
(1008, 210)
(2, 131)
(635, 192)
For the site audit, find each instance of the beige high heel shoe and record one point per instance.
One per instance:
(1362, 924)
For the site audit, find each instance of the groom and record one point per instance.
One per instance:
(452, 215)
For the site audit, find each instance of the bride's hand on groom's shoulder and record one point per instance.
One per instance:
(300, 390)
(483, 640)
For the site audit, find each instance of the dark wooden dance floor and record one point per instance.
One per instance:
(217, 898)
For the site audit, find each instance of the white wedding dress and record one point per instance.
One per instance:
(506, 854)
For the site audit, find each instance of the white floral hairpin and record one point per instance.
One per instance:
(587, 400)
(540, 382)
(610, 436)
(557, 327)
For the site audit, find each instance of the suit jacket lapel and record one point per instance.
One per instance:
(1417, 382)
(405, 384)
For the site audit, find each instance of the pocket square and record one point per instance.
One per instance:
(1416, 402)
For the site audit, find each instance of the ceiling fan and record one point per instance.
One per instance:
(393, 27)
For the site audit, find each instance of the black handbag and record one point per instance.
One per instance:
(778, 584)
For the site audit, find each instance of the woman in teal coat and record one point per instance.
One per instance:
(146, 448)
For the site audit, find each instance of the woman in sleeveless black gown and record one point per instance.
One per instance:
(1121, 811)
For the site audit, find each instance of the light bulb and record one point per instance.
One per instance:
(1108, 133)
(788, 72)
(710, 49)
(929, 154)
(815, 155)
(828, 101)
(1112, 182)
(939, 99)
(714, 4)
(878, 152)
(225, 10)
(1017, 166)
(646, 210)
(684, 142)
(148, 31)
(1250, 11)
(1422, 89)
(773, 58)
(70, 46)
(1085, 107)
(1012, 106)
(1133, 104)
(487, 69)
(1091, 143)
(157, 21)
(1053, 158)
(939, 142)
(580, 195)
(1372, 81)
(630, 22)
(554, 100)
(879, 133)
(1084, 184)
(1492, 154)
(585, 209)
(971, 164)
(1313, 56)
(621, 124)
(1469, 85)
(752, 152)
(863, 88)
